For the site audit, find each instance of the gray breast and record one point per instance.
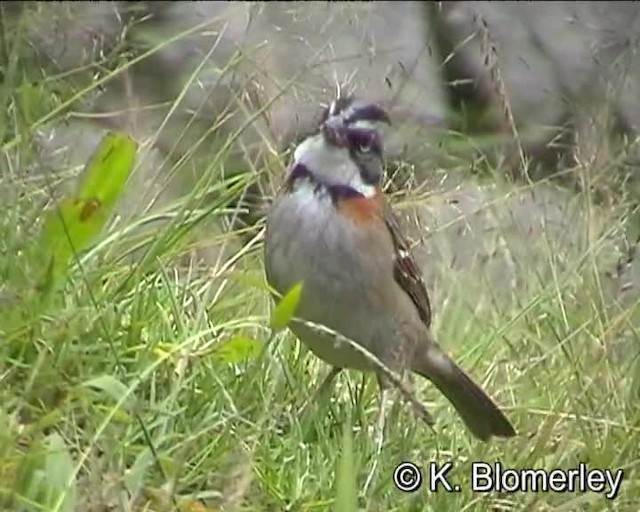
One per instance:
(308, 241)
(303, 241)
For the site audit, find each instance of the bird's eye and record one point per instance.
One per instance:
(365, 141)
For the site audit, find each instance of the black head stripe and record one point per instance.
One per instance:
(352, 110)
(338, 106)
(366, 112)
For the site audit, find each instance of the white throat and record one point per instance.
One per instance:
(331, 165)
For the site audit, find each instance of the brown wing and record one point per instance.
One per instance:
(405, 269)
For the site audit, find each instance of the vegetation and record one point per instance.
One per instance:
(134, 375)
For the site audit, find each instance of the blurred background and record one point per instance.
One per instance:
(478, 92)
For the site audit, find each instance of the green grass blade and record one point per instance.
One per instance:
(346, 492)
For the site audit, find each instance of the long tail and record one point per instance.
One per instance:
(479, 413)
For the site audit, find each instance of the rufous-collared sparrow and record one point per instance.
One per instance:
(332, 230)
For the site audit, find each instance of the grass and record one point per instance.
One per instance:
(156, 383)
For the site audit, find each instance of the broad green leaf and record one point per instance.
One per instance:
(72, 224)
(111, 387)
(60, 473)
(286, 308)
(346, 491)
(46, 479)
(135, 475)
(238, 349)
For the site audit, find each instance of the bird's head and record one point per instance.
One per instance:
(347, 151)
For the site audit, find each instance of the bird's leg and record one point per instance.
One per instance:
(384, 399)
(382, 416)
(417, 407)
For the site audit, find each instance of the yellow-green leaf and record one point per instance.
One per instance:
(286, 308)
(71, 225)
(68, 230)
(238, 349)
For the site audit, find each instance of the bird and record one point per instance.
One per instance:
(332, 229)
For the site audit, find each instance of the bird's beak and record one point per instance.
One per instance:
(335, 131)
